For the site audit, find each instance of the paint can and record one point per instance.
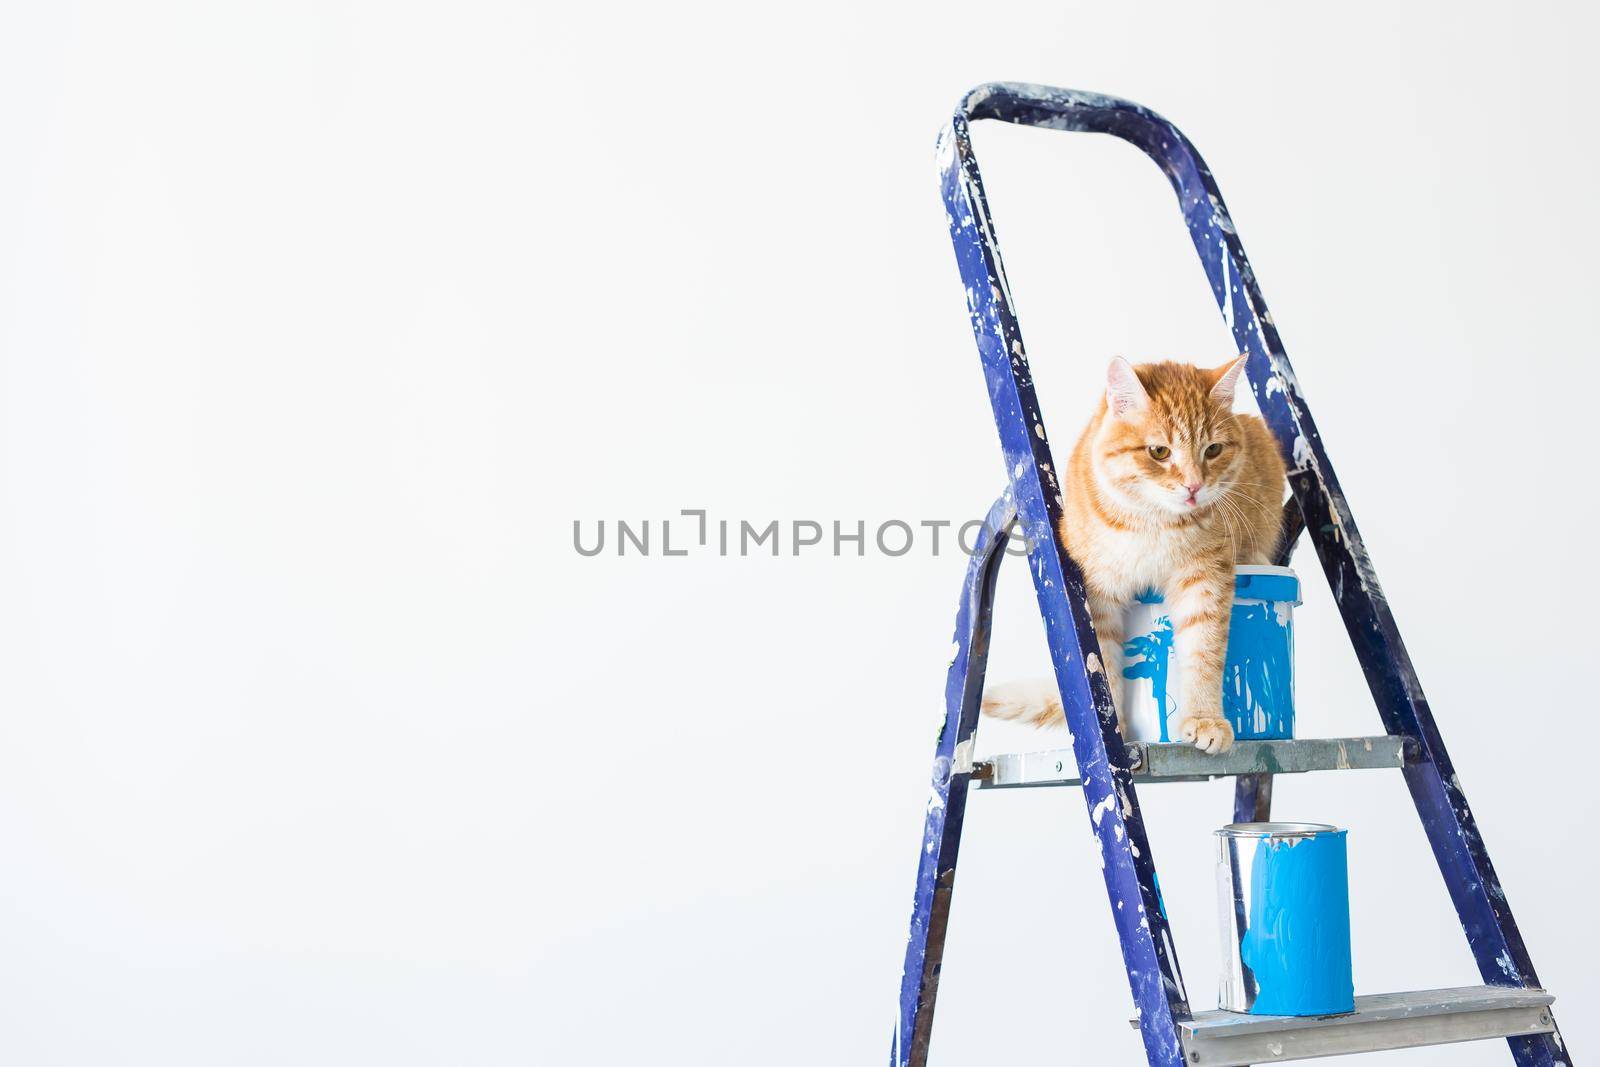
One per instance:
(1283, 897)
(1257, 680)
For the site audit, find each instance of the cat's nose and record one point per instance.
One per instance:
(1194, 487)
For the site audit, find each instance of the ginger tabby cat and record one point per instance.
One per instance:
(1167, 489)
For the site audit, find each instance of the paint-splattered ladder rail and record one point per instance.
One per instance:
(1510, 1004)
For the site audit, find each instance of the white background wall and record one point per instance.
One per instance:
(320, 323)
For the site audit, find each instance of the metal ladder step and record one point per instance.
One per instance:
(1173, 762)
(1385, 1021)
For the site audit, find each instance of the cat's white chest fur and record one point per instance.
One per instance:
(1133, 562)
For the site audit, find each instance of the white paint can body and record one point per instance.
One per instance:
(1258, 677)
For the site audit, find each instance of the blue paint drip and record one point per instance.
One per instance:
(1153, 650)
(1258, 676)
(1298, 941)
(1257, 683)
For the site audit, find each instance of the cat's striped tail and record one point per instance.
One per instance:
(1036, 702)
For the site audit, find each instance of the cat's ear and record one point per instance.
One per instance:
(1227, 381)
(1124, 391)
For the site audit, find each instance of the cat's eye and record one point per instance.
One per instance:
(1159, 451)
(1213, 450)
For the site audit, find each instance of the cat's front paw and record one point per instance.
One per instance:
(1208, 735)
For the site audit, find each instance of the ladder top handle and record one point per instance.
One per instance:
(1070, 109)
(1073, 110)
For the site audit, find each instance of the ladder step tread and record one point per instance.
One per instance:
(1174, 762)
(1384, 1021)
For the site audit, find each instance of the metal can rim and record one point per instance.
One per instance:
(1278, 829)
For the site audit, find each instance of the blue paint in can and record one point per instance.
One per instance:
(1296, 944)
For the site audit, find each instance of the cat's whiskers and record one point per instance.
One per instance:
(1259, 505)
(1229, 510)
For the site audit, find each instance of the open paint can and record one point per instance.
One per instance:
(1257, 680)
(1284, 903)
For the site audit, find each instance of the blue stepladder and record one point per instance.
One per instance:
(1510, 1004)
